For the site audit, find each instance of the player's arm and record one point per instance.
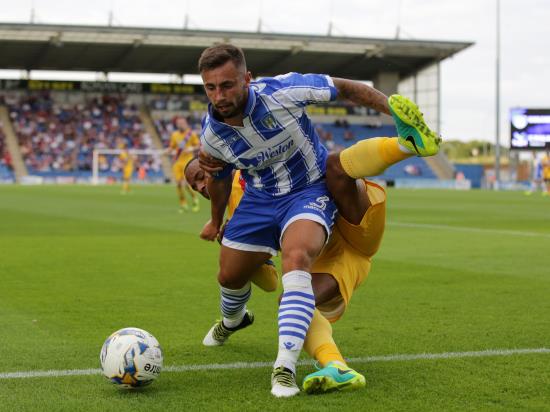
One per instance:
(361, 94)
(210, 164)
(193, 145)
(173, 147)
(219, 189)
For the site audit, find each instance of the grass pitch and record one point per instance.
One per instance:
(457, 272)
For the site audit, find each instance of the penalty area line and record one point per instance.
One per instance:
(470, 229)
(257, 365)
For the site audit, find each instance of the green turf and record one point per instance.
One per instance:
(78, 262)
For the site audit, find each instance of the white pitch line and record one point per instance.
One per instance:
(471, 229)
(257, 365)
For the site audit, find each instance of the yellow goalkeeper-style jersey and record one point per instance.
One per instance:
(546, 168)
(183, 142)
(128, 161)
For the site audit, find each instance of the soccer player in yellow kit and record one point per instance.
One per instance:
(345, 261)
(546, 173)
(183, 143)
(127, 169)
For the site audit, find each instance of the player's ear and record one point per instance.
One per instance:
(247, 78)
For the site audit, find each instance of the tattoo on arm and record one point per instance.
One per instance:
(362, 94)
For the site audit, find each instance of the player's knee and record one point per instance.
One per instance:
(230, 280)
(224, 279)
(298, 259)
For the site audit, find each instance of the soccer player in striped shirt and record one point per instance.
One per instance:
(341, 267)
(262, 129)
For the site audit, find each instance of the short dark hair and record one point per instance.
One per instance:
(218, 55)
(188, 163)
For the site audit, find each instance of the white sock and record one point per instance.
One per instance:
(233, 304)
(295, 314)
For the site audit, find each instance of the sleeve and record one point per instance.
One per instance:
(304, 89)
(194, 141)
(173, 144)
(213, 152)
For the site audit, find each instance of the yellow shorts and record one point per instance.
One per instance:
(347, 255)
(127, 172)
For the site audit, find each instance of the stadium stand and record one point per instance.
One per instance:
(474, 173)
(6, 171)
(164, 111)
(345, 134)
(340, 134)
(58, 132)
(414, 167)
(166, 125)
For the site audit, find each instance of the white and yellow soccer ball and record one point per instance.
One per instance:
(131, 358)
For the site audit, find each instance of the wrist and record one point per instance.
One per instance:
(216, 223)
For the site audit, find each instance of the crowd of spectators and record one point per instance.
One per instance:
(5, 158)
(164, 113)
(174, 103)
(166, 125)
(60, 137)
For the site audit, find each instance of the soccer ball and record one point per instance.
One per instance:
(131, 358)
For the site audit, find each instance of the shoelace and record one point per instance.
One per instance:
(220, 333)
(284, 377)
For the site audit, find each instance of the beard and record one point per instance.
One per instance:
(231, 109)
(228, 111)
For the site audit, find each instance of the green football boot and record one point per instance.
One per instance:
(414, 133)
(333, 377)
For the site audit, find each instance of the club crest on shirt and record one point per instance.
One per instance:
(269, 122)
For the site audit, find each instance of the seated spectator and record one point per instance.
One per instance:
(412, 170)
(61, 137)
(348, 135)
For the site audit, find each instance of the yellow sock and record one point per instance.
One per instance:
(370, 157)
(191, 192)
(181, 196)
(319, 343)
(266, 278)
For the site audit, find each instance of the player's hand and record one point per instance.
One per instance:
(209, 231)
(209, 163)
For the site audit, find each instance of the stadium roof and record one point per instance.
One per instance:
(152, 50)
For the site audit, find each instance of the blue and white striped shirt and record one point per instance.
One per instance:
(277, 149)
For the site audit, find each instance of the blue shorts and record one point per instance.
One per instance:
(260, 220)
